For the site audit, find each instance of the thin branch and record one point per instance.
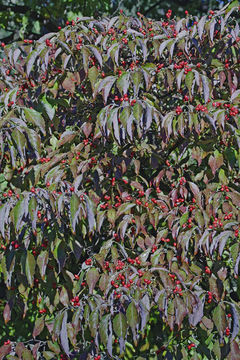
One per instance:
(152, 7)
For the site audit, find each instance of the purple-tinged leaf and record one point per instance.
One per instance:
(235, 351)
(236, 266)
(105, 86)
(85, 55)
(96, 53)
(64, 299)
(197, 311)
(200, 26)
(7, 313)
(223, 237)
(57, 325)
(114, 119)
(235, 316)
(212, 29)
(64, 334)
(92, 279)
(206, 90)
(215, 161)
(110, 339)
(38, 326)
(5, 350)
(179, 78)
(90, 214)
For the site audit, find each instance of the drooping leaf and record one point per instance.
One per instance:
(74, 210)
(64, 334)
(92, 279)
(35, 118)
(30, 267)
(103, 328)
(132, 315)
(38, 326)
(120, 325)
(219, 319)
(42, 261)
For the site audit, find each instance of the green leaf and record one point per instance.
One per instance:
(30, 268)
(111, 215)
(35, 141)
(189, 81)
(216, 63)
(120, 325)
(184, 218)
(48, 355)
(219, 319)
(74, 211)
(93, 75)
(54, 347)
(21, 143)
(124, 116)
(137, 111)
(32, 210)
(123, 83)
(59, 253)
(50, 110)
(136, 79)
(93, 322)
(36, 119)
(27, 355)
(103, 328)
(57, 325)
(132, 315)
(222, 177)
(18, 212)
(124, 208)
(85, 55)
(30, 60)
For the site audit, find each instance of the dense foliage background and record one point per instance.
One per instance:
(119, 190)
(32, 18)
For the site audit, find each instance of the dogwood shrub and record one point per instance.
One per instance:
(119, 190)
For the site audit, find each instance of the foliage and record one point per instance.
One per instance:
(119, 185)
(31, 19)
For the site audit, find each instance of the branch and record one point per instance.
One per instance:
(15, 8)
(152, 7)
